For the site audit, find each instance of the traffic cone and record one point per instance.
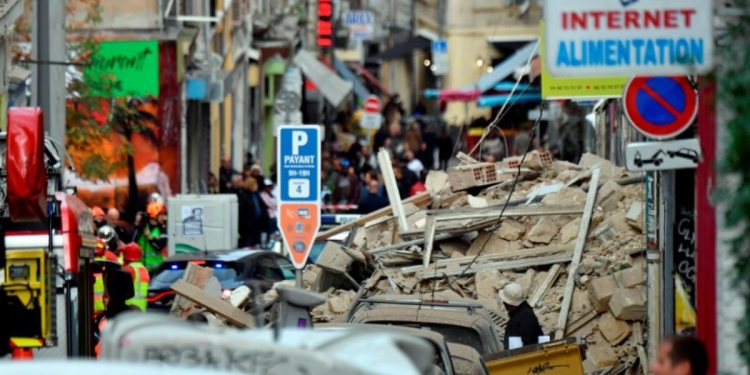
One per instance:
(22, 354)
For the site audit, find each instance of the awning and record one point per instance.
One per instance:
(506, 68)
(371, 78)
(499, 100)
(467, 91)
(343, 70)
(403, 49)
(330, 85)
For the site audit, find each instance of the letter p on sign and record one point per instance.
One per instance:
(299, 139)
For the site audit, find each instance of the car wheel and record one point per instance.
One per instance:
(657, 163)
(639, 164)
(671, 154)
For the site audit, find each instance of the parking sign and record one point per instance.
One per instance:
(298, 160)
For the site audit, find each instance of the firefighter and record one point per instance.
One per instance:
(101, 254)
(99, 217)
(118, 289)
(152, 235)
(132, 255)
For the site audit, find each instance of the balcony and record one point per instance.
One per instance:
(123, 15)
(10, 10)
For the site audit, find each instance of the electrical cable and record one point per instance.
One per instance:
(505, 205)
(501, 113)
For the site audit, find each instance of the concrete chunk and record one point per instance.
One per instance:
(630, 277)
(600, 292)
(569, 232)
(510, 230)
(609, 195)
(628, 304)
(543, 232)
(601, 355)
(635, 216)
(614, 330)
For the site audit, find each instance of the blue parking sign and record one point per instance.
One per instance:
(298, 160)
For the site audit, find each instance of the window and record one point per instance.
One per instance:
(170, 272)
(267, 269)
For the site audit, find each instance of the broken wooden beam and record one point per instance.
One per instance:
(420, 200)
(583, 230)
(213, 304)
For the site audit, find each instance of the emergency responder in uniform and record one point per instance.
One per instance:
(132, 256)
(100, 218)
(152, 236)
(101, 254)
(118, 288)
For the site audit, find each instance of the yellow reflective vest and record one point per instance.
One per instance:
(140, 286)
(99, 289)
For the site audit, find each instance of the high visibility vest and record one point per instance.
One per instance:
(140, 286)
(100, 325)
(99, 289)
(121, 258)
(152, 257)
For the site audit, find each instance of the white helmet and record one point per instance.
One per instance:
(155, 197)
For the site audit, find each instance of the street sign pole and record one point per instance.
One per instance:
(298, 158)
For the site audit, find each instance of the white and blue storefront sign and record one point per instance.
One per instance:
(611, 38)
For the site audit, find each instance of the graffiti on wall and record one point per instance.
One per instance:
(141, 144)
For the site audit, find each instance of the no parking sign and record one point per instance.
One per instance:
(660, 107)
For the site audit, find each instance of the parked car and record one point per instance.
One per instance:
(466, 360)
(462, 321)
(442, 355)
(232, 268)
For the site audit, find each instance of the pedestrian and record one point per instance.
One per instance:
(151, 234)
(118, 288)
(113, 220)
(132, 255)
(572, 132)
(369, 177)
(523, 323)
(523, 140)
(681, 355)
(413, 137)
(492, 146)
(257, 173)
(445, 148)
(225, 176)
(254, 214)
(420, 186)
(269, 199)
(414, 164)
(373, 201)
(212, 184)
(343, 188)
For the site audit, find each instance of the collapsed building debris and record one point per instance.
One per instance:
(581, 281)
(577, 252)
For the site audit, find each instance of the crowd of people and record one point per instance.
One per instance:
(256, 195)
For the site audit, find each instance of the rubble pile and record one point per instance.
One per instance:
(456, 246)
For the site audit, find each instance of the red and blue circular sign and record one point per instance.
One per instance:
(660, 107)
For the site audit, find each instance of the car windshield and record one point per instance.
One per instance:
(453, 334)
(169, 272)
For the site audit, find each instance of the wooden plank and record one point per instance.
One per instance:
(213, 304)
(429, 242)
(389, 180)
(420, 200)
(643, 358)
(197, 276)
(494, 211)
(577, 254)
(581, 321)
(552, 275)
(501, 266)
(526, 253)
